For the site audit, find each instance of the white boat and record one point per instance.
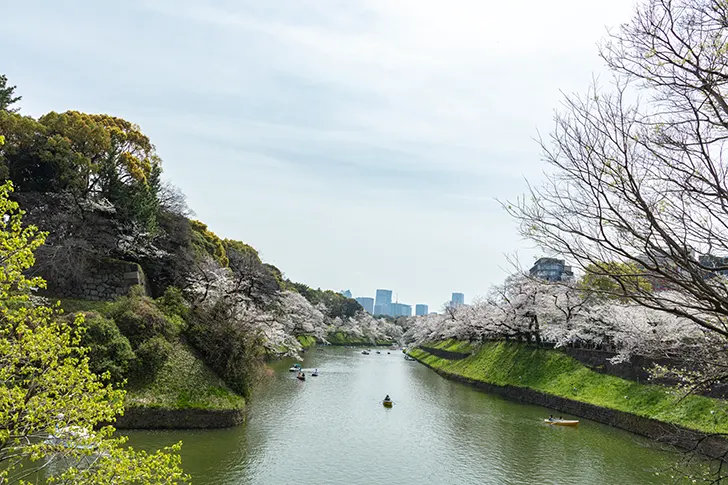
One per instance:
(561, 422)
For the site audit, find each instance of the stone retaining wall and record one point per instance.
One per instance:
(104, 280)
(637, 369)
(445, 354)
(711, 446)
(155, 418)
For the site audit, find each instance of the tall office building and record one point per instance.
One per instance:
(421, 310)
(457, 299)
(346, 293)
(367, 303)
(400, 310)
(551, 269)
(383, 302)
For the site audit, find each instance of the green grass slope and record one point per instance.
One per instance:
(452, 345)
(341, 338)
(184, 382)
(306, 341)
(555, 373)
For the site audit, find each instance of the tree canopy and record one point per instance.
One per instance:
(614, 279)
(52, 406)
(643, 182)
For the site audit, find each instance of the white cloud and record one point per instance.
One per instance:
(356, 144)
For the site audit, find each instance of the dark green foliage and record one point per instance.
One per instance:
(139, 319)
(86, 156)
(173, 304)
(208, 243)
(148, 329)
(7, 95)
(109, 350)
(228, 345)
(150, 357)
(337, 305)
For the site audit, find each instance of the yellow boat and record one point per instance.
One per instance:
(387, 404)
(562, 422)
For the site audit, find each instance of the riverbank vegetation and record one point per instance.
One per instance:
(184, 382)
(53, 407)
(557, 374)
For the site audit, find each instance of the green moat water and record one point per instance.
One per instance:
(333, 429)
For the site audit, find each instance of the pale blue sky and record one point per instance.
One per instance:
(356, 144)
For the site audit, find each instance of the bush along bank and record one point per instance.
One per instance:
(341, 338)
(185, 393)
(552, 379)
(139, 343)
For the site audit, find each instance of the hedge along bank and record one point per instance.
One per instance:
(552, 379)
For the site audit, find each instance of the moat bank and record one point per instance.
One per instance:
(552, 379)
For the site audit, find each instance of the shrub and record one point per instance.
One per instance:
(174, 306)
(109, 350)
(229, 344)
(207, 242)
(139, 319)
(150, 357)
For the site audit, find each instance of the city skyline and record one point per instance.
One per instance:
(383, 304)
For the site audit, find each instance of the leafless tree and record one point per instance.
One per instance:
(173, 200)
(636, 173)
(643, 180)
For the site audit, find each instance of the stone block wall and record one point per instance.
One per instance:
(105, 280)
(157, 418)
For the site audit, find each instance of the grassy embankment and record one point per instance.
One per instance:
(183, 382)
(555, 373)
(306, 341)
(340, 338)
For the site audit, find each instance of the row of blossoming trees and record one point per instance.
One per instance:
(565, 314)
(276, 319)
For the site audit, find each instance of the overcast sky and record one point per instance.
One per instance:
(355, 143)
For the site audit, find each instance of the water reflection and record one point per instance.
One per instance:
(332, 429)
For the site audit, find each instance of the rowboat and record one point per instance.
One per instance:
(561, 422)
(387, 404)
(302, 378)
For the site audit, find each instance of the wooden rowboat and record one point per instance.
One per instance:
(387, 404)
(561, 422)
